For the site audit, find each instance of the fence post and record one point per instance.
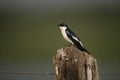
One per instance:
(73, 64)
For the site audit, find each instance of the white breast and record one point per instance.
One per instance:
(64, 34)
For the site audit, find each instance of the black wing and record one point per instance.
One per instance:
(75, 40)
(73, 37)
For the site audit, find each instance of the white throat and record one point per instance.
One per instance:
(63, 28)
(64, 34)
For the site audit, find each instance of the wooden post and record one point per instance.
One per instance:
(73, 64)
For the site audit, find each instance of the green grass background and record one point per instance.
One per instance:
(30, 37)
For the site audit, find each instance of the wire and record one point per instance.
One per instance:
(38, 73)
(27, 73)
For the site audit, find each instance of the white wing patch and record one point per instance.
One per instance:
(77, 40)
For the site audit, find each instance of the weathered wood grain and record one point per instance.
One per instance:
(73, 64)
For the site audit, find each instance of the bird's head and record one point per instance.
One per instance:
(62, 26)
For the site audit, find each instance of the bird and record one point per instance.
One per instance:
(71, 37)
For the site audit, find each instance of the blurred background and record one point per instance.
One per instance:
(29, 36)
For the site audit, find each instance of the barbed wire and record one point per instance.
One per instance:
(45, 74)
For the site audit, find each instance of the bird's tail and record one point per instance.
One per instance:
(81, 48)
